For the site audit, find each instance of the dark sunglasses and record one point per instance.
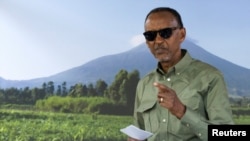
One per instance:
(164, 33)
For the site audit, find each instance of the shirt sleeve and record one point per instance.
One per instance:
(138, 119)
(217, 107)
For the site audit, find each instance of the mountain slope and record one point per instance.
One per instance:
(139, 58)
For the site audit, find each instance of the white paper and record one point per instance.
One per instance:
(136, 133)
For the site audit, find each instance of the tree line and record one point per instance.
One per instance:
(120, 92)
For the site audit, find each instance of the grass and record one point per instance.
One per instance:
(28, 125)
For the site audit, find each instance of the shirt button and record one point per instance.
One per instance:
(164, 120)
(178, 73)
(199, 134)
(187, 125)
(168, 79)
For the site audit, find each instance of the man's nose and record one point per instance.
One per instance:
(159, 39)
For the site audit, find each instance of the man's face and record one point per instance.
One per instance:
(164, 47)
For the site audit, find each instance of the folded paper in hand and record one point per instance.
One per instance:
(136, 133)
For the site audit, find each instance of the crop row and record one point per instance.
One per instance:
(40, 126)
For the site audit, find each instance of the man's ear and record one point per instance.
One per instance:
(182, 34)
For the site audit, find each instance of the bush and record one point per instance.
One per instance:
(81, 105)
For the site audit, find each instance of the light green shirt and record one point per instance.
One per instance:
(200, 86)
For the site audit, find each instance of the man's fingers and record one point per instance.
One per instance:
(160, 86)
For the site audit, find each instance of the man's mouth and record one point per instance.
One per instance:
(160, 50)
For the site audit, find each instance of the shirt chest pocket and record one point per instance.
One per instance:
(148, 112)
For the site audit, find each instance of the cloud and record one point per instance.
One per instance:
(137, 40)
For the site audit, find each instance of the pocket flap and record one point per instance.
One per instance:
(147, 105)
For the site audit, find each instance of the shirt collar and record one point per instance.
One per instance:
(180, 66)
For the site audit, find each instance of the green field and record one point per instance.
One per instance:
(23, 125)
(19, 125)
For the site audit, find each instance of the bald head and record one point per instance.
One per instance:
(167, 9)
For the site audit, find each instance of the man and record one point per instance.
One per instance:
(178, 100)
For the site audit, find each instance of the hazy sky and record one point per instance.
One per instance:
(39, 38)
